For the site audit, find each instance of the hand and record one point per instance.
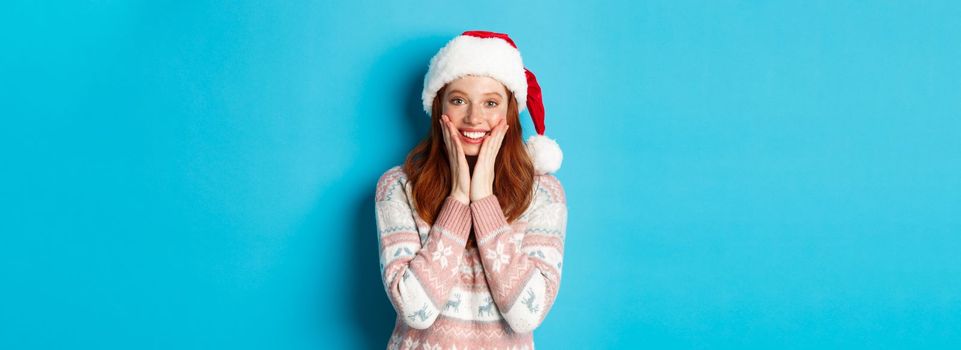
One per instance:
(460, 172)
(482, 182)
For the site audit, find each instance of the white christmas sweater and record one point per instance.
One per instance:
(451, 295)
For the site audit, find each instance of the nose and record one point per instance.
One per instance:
(474, 115)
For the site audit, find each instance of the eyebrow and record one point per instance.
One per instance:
(489, 93)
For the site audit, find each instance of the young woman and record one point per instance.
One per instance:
(471, 227)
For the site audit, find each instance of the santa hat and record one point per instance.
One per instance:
(491, 54)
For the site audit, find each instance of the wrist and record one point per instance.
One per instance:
(460, 197)
(478, 195)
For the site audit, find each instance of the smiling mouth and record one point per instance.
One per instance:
(474, 135)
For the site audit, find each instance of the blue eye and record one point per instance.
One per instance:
(455, 99)
(493, 103)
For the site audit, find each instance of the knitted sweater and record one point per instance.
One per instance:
(449, 294)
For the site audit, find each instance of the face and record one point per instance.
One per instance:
(475, 104)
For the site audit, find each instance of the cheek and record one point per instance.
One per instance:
(495, 115)
(501, 113)
(455, 114)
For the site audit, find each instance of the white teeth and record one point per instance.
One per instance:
(473, 135)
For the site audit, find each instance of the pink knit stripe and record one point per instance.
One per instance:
(541, 240)
(511, 280)
(395, 266)
(387, 180)
(436, 282)
(455, 217)
(404, 237)
(488, 216)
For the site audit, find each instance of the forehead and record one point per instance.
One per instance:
(478, 85)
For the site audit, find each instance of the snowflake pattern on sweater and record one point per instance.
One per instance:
(449, 294)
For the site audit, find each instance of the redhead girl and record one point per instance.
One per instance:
(471, 227)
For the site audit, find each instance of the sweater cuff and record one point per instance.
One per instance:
(454, 216)
(488, 217)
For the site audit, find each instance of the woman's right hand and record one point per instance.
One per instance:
(460, 172)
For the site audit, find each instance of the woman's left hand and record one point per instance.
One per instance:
(482, 181)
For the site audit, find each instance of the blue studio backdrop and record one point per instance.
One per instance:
(740, 174)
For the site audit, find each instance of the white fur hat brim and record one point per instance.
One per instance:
(470, 55)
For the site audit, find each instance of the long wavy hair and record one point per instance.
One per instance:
(428, 169)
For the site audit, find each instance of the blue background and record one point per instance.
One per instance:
(200, 174)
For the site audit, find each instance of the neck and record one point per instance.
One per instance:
(471, 161)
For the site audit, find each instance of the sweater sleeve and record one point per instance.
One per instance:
(418, 278)
(523, 267)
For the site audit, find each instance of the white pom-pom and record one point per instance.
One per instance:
(545, 153)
